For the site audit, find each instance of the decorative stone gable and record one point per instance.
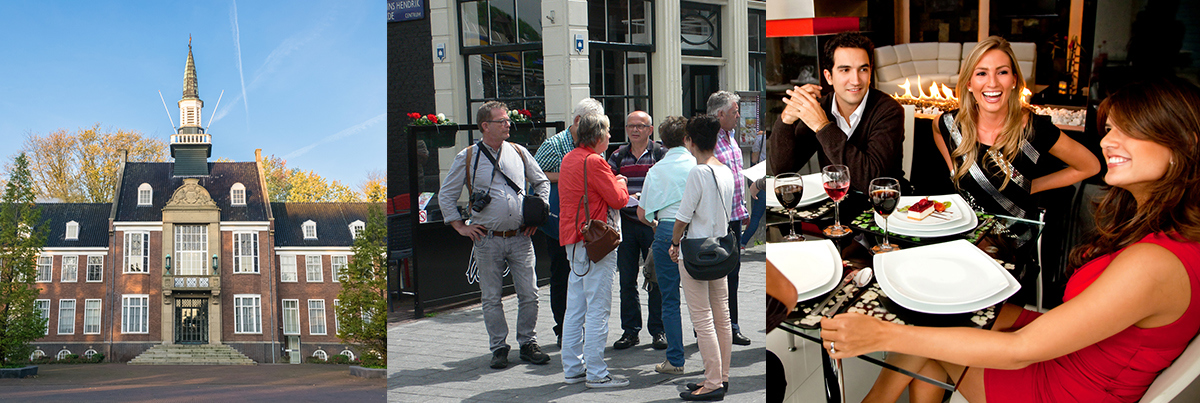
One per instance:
(191, 194)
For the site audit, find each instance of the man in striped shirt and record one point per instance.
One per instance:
(633, 160)
(724, 105)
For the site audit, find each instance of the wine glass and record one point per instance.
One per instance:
(885, 194)
(789, 188)
(836, 180)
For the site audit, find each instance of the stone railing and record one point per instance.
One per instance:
(191, 139)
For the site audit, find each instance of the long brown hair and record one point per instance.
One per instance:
(1011, 136)
(1167, 112)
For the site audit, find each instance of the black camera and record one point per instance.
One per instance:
(480, 200)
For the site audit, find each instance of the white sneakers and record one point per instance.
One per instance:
(667, 368)
(608, 382)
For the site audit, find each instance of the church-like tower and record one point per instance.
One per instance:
(190, 146)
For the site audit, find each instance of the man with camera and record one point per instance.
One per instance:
(495, 172)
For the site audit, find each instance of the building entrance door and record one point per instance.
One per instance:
(698, 83)
(293, 349)
(191, 320)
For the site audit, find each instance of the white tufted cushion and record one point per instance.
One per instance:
(949, 51)
(908, 69)
(889, 73)
(947, 67)
(885, 56)
(923, 51)
(926, 67)
(902, 54)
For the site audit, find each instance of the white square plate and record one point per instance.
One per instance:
(813, 267)
(950, 277)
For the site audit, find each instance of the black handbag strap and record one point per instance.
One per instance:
(718, 185)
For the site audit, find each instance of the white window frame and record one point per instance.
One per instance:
(62, 354)
(337, 325)
(310, 229)
(321, 354)
(72, 231)
(349, 354)
(243, 263)
(45, 269)
(43, 308)
(140, 307)
(89, 353)
(37, 354)
(287, 268)
(315, 307)
(145, 195)
(313, 273)
(336, 268)
(91, 316)
(247, 314)
(98, 265)
(237, 194)
(137, 256)
(191, 250)
(291, 317)
(356, 228)
(66, 320)
(70, 265)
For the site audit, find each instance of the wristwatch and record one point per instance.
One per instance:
(675, 244)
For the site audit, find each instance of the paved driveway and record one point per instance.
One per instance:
(187, 383)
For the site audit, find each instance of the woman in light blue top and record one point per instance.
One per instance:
(661, 193)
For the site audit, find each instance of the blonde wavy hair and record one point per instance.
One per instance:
(1015, 131)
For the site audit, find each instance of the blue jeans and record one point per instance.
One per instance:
(668, 284)
(635, 243)
(589, 305)
(757, 208)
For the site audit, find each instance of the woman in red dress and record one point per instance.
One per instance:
(1127, 313)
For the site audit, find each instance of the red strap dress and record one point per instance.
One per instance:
(1117, 369)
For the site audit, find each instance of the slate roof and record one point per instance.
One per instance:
(222, 176)
(332, 219)
(92, 219)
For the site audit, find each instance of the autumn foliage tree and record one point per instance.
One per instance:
(22, 236)
(81, 166)
(295, 185)
(375, 187)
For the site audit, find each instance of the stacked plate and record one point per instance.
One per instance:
(945, 278)
(813, 267)
(814, 191)
(957, 218)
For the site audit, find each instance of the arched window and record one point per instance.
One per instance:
(320, 354)
(237, 194)
(88, 354)
(310, 229)
(36, 354)
(72, 230)
(145, 194)
(349, 354)
(62, 355)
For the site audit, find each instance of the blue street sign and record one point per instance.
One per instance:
(405, 10)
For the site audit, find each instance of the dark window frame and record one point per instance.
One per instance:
(684, 7)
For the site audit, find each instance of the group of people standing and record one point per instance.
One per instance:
(653, 192)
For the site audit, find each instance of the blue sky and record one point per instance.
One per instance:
(303, 80)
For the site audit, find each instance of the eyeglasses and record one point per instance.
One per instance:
(501, 121)
(638, 127)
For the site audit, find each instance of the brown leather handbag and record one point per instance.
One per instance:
(600, 239)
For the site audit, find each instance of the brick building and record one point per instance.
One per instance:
(193, 252)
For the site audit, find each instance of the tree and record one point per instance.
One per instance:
(22, 237)
(294, 185)
(82, 166)
(375, 187)
(362, 306)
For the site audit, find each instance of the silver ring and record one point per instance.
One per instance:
(831, 349)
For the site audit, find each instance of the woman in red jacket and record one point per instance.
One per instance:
(589, 286)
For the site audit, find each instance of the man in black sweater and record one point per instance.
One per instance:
(855, 126)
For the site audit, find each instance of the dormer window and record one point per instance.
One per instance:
(310, 229)
(356, 228)
(237, 195)
(145, 193)
(72, 231)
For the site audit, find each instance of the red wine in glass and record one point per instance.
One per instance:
(885, 195)
(836, 181)
(789, 189)
(836, 192)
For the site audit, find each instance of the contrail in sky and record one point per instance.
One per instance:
(237, 44)
(339, 135)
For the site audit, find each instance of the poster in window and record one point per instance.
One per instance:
(750, 107)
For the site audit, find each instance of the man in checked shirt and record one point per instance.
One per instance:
(724, 105)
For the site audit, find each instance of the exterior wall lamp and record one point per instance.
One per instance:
(215, 266)
(168, 264)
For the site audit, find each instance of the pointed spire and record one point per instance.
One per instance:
(189, 76)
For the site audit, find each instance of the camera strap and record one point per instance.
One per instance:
(495, 166)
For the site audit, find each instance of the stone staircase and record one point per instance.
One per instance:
(191, 354)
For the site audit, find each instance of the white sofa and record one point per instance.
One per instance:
(936, 62)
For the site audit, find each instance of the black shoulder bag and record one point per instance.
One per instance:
(713, 257)
(534, 210)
